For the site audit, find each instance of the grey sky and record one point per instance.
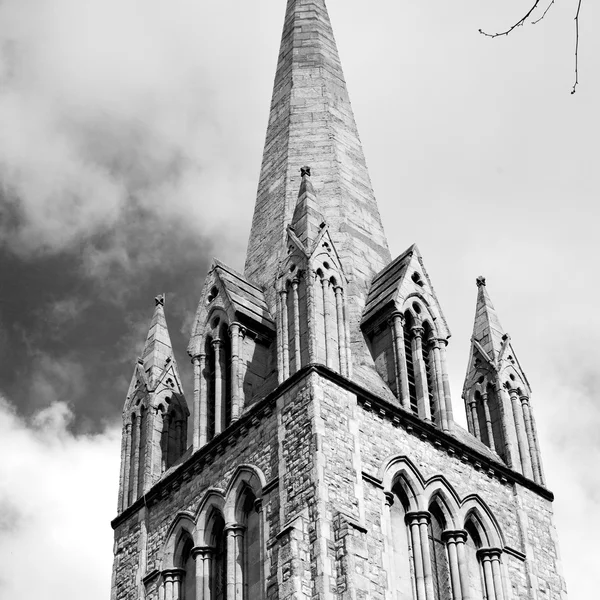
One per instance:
(131, 143)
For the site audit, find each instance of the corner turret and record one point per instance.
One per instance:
(496, 393)
(155, 414)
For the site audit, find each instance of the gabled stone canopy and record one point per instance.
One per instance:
(239, 298)
(403, 278)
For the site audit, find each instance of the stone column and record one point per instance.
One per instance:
(203, 403)
(284, 334)
(397, 323)
(341, 329)
(424, 518)
(297, 351)
(218, 387)
(508, 426)
(203, 557)
(420, 373)
(446, 383)
(412, 520)
(439, 377)
(196, 362)
(488, 578)
(521, 436)
(172, 579)
(235, 562)
(127, 467)
(488, 421)
(237, 333)
(475, 418)
(450, 538)
(460, 537)
(533, 450)
(497, 573)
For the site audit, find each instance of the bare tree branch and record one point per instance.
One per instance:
(517, 24)
(576, 47)
(545, 12)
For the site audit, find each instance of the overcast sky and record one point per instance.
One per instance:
(131, 137)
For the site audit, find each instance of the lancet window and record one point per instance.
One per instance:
(410, 362)
(437, 549)
(173, 434)
(217, 377)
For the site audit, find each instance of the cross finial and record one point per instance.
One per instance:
(480, 281)
(305, 171)
(159, 300)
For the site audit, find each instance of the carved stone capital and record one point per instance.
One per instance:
(202, 552)
(389, 498)
(258, 505)
(485, 554)
(417, 331)
(418, 517)
(453, 536)
(524, 400)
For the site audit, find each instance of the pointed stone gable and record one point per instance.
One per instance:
(487, 330)
(158, 351)
(308, 220)
(311, 122)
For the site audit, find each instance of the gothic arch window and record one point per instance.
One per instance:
(141, 445)
(135, 443)
(399, 568)
(250, 558)
(218, 568)
(173, 434)
(185, 561)
(217, 375)
(437, 551)
(382, 350)
(496, 420)
(409, 323)
(472, 544)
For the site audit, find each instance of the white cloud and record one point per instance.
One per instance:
(57, 496)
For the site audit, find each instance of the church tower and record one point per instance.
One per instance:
(325, 462)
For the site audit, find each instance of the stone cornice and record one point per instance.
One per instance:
(366, 399)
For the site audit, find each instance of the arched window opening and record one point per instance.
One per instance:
(381, 343)
(481, 421)
(218, 379)
(218, 575)
(400, 562)
(226, 374)
(210, 386)
(496, 419)
(186, 562)
(172, 436)
(143, 428)
(439, 560)
(410, 364)
(472, 544)
(135, 443)
(429, 370)
(251, 559)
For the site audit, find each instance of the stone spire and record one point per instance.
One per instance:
(487, 330)
(311, 122)
(158, 350)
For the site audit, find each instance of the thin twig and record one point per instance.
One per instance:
(517, 24)
(547, 9)
(576, 47)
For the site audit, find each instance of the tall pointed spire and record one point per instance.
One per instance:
(158, 350)
(487, 330)
(311, 121)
